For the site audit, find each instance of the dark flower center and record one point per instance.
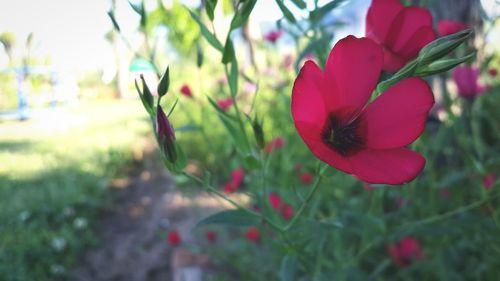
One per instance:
(343, 138)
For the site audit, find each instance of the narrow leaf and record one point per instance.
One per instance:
(206, 33)
(288, 268)
(111, 15)
(286, 12)
(228, 54)
(230, 217)
(242, 14)
(210, 7)
(164, 83)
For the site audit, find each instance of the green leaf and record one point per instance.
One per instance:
(233, 78)
(251, 163)
(228, 54)
(288, 268)
(164, 83)
(405, 72)
(299, 3)
(206, 33)
(136, 8)
(147, 106)
(111, 15)
(318, 14)
(242, 14)
(180, 161)
(146, 93)
(286, 12)
(210, 7)
(220, 111)
(231, 217)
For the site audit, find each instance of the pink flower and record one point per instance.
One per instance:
(467, 80)
(448, 27)
(225, 104)
(406, 251)
(401, 31)
(229, 187)
(275, 144)
(274, 200)
(493, 72)
(211, 236)
(273, 36)
(237, 177)
(253, 234)
(287, 211)
(185, 90)
(306, 178)
(489, 180)
(332, 116)
(174, 238)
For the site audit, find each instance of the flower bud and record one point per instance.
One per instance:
(442, 46)
(166, 136)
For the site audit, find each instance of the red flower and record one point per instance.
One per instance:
(229, 187)
(493, 72)
(329, 112)
(211, 236)
(185, 90)
(306, 178)
(287, 211)
(466, 78)
(401, 31)
(489, 180)
(174, 238)
(274, 144)
(225, 104)
(273, 36)
(274, 200)
(448, 27)
(253, 234)
(237, 177)
(406, 251)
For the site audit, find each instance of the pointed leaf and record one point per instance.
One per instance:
(286, 12)
(210, 7)
(242, 14)
(206, 33)
(231, 217)
(164, 83)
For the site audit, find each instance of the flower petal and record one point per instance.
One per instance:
(308, 104)
(420, 38)
(390, 166)
(352, 71)
(408, 21)
(398, 116)
(379, 18)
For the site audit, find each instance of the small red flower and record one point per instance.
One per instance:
(237, 177)
(229, 187)
(287, 211)
(225, 104)
(174, 238)
(369, 141)
(406, 251)
(401, 31)
(274, 200)
(211, 236)
(493, 72)
(253, 234)
(306, 178)
(273, 36)
(448, 27)
(489, 180)
(185, 90)
(467, 80)
(275, 144)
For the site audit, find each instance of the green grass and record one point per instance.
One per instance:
(53, 177)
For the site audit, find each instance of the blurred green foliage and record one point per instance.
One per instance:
(53, 183)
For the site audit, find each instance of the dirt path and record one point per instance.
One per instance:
(132, 233)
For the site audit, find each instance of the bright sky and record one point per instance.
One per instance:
(71, 32)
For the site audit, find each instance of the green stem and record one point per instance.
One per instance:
(306, 201)
(232, 202)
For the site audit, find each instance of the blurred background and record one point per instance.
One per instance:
(84, 196)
